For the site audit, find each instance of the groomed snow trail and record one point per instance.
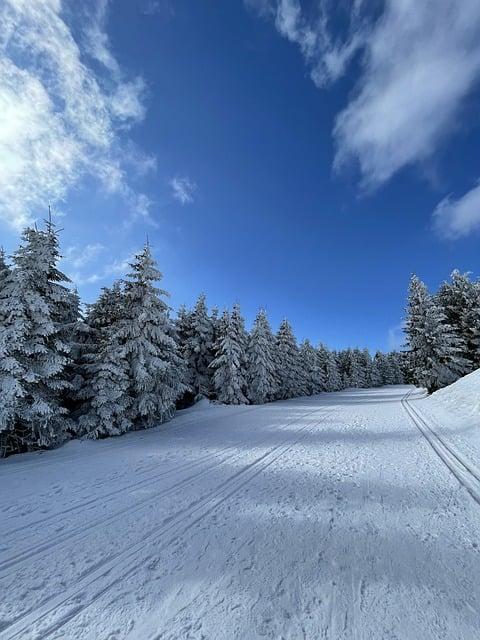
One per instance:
(344, 515)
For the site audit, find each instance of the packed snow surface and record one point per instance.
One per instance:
(344, 515)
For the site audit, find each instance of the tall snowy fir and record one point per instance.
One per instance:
(436, 352)
(229, 363)
(198, 348)
(156, 369)
(312, 375)
(460, 301)
(329, 366)
(34, 354)
(261, 372)
(287, 362)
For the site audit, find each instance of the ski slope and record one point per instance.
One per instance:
(345, 515)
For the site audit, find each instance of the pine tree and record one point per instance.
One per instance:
(328, 363)
(288, 370)
(33, 352)
(228, 364)
(261, 373)
(156, 370)
(376, 375)
(435, 349)
(356, 371)
(460, 301)
(198, 349)
(105, 369)
(183, 333)
(311, 374)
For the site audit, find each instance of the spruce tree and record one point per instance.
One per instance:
(228, 365)
(198, 349)
(105, 369)
(288, 369)
(460, 301)
(33, 350)
(311, 373)
(156, 370)
(261, 373)
(435, 349)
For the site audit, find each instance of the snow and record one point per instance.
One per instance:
(331, 516)
(461, 397)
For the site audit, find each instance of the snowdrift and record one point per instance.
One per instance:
(461, 397)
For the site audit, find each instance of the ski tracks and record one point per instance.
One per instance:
(464, 471)
(57, 611)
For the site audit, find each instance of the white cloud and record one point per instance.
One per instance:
(456, 218)
(420, 60)
(79, 257)
(59, 119)
(396, 337)
(183, 189)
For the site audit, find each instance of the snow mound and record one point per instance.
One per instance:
(461, 397)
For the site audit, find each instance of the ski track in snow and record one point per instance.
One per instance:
(350, 515)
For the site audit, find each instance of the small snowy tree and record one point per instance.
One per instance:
(261, 373)
(228, 364)
(105, 370)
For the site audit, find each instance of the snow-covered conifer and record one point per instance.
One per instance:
(33, 352)
(156, 369)
(460, 300)
(198, 348)
(312, 377)
(228, 365)
(106, 372)
(435, 349)
(261, 372)
(287, 362)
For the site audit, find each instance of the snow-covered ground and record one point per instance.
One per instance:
(344, 515)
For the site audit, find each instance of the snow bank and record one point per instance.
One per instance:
(461, 397)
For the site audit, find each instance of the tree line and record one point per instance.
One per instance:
(442, 331)
(123, 363)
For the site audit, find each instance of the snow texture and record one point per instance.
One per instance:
(342, 515)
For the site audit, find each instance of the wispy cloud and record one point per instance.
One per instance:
(78, 257)
(183, 189)
(59, 119)
(77, 264)
(457, 218)
(396, 337)
(420, 60)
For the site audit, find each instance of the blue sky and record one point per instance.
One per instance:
(302, 156)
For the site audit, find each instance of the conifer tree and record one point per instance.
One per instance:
(261, 373)
(435, 349)
(198, 351)
(288, 373)
(156, 370)
(312, 377)
(329, 365)
(33, 352)
(106, 371)
(460, 301)
(376, 373)
(228, 365)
